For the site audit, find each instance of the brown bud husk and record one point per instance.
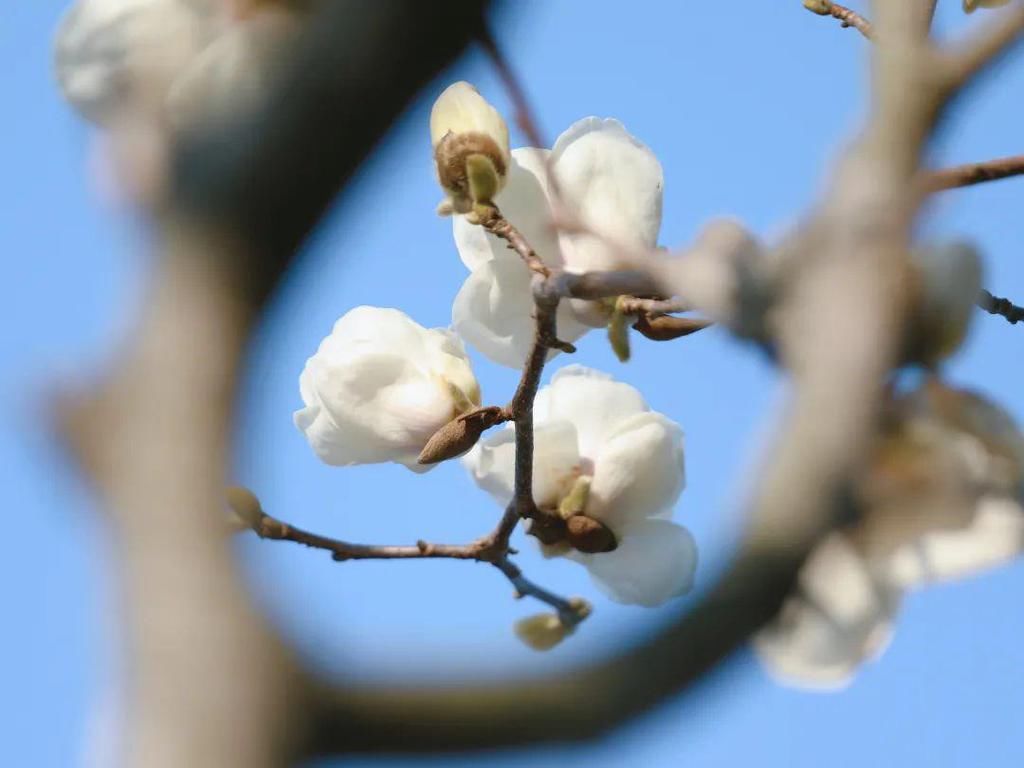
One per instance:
(459, 435)
(245, 505)
(588, 535)
(669, 327)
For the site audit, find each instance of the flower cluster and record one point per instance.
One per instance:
(942, 498)
(607, 471)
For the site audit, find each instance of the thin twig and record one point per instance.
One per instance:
(499, 226)
(846, 16)
(974, 173)
(525, 117)
(1005, 308)
(492, 549)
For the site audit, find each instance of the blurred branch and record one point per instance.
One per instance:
(995, 305)
(209, 684)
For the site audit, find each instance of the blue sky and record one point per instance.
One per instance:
(745, 105)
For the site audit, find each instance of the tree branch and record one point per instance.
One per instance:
(974, 173)
(995, 305)
(847, 17)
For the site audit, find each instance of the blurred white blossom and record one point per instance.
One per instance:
(589, 426)
(606, 178)
(941, 500)
(171, 61)
(380, 386)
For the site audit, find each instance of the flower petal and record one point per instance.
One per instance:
(494, 312)
(524, 201)
(994, 537)
(380, 386)
(839, 617)
(616, 184)
(639, 471)
(591, 400)
(654, 562)
(555, 462)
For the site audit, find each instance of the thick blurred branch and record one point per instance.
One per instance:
(208, 684)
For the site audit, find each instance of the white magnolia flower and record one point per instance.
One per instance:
(589, 426)
(169, 60)
(610, 180)
(942, 501)
(380, 386)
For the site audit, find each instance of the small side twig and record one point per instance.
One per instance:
(846, 16)
(996, 305)
(492, 549)
(974, 173)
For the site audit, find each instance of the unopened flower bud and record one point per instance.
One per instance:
(970, 6)
(950, 282)
(246, 507)
(541, 632)
(668, 327)
(471, 147)
(459, 435)
(588, 535)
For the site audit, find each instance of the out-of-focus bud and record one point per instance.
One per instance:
(471, 147)
(949, 282)
(541, 632)
(970, 6)
(618, 332)
(246, 508)
(459, 435)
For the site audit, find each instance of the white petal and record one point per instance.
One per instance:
(493, 311)
(615, 184)
(375, 408)
(638, 472)
(839, 617)
(524, 201)
(592, 401)
(994, 537)
(461, 109)
(555, 461)
(655, 561)
(492, 462)
(380, 386)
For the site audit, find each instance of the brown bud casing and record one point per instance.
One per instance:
(459, 435)
(669, 327)
(588, 535)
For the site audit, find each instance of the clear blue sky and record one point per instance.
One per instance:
(745, 103)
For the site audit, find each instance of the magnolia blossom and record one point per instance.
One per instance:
(611, 182)
(595, 433)
(169, 61)
(380, 386)
(942, 500)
